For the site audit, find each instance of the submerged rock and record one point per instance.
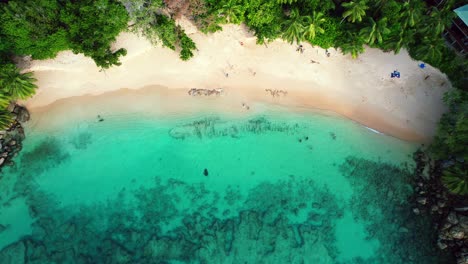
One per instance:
(10, 139)
(457, 232)
(22, 114)
(13, 253)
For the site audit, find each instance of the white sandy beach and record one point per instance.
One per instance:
(361, 89)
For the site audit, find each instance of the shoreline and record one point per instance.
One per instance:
(360, 89)
(163, 102)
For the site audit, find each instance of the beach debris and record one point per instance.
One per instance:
(313, 61)
(205, 92)
(427, 77)
(205, 172)
(275, 92)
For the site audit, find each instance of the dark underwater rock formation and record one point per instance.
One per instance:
(11, 139)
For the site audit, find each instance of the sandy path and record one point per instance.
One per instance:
(360, 89)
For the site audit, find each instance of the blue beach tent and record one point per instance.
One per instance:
(394, 74)
(422, 65)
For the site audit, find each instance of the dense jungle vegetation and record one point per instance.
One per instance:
(42, 28)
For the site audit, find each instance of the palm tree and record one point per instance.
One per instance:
(355, 10)
(15, 84)
(412, 12)
(6, 118)
(353, 46)
(375, 31)
(314, 26)
(439, 20)
(456, 180)
(378, 4)
(232, 11)
(4, 101)
(294, 27)
(285, 1)
(398, 40)
(429, 50)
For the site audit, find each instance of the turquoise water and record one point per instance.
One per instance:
(273, 188)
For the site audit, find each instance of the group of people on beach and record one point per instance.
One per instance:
(275, 92)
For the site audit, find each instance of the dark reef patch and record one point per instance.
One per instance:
(381, 198)
(214, 127)
(176, 221)
(82, 140)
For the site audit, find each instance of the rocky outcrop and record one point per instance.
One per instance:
(446, 210)
(11, 139)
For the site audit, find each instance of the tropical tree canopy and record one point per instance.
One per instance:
(232, 11)
(294, 27)
(15, 84)
(6, 119)
(375, 31)
(355, 10)
(314, 24)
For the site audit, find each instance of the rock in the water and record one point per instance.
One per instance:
(452, 218)
(422, 200)
(2, 160)
(22, 114)
(441, 245)
(457, 232)
(205, 172)
(463, 221)
(416, 211)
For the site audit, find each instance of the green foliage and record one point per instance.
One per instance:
(375, 31)
(294, 28)
(6, 118)
(314, 25)
(355, 10)
(332, 31)
(232, 12)
(286, 1)
(90, 31)
(16, 85)
(33, 28)
(428, 50)
(186, 45)
(4, 101)
(265, 19)
(412, 13)
(352, 43)
(163, 30)
(42, 28)
(455, 179)
(450, 143)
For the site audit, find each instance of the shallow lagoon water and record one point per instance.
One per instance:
(277, 187)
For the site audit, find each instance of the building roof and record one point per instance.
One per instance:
(462, 12)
